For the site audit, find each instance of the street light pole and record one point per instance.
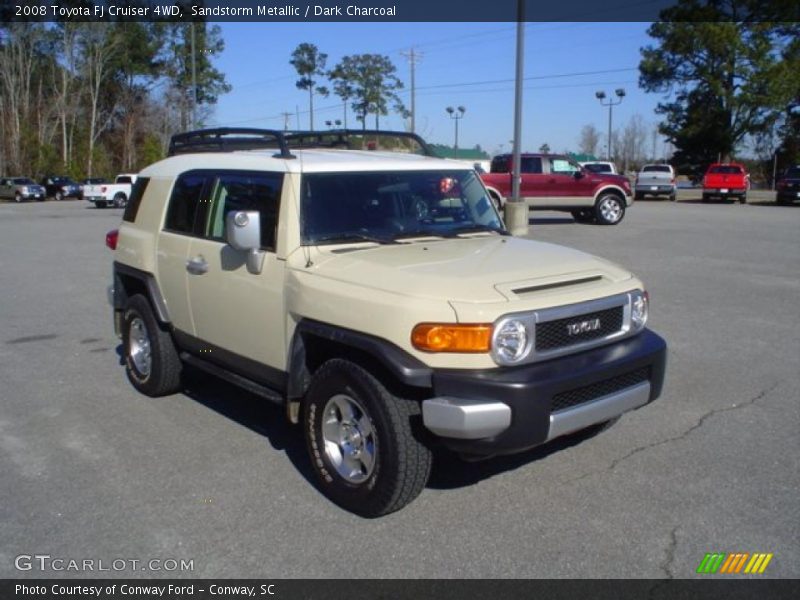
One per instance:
(456, 114)
(600, 95)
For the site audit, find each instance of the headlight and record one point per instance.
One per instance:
(639, 309)
(512, 341)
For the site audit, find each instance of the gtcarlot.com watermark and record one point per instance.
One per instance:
(47, 563)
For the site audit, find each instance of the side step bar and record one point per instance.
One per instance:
(237, 380)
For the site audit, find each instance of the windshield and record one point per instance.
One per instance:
(385, 206)
(793, 172)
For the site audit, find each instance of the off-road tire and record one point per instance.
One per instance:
(400, 463)
(609, 209)
(164, 374)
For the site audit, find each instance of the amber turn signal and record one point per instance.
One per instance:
(452, 337)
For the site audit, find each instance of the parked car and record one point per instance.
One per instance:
(21, 188)
(600, 166)
(116, 193)
(378, 299)
(656, 180)
(556, 182)
(726, 181)
(788, 186)
(60, 187)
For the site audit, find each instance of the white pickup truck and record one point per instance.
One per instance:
(116, 193)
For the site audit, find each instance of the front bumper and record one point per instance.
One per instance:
(502, 411)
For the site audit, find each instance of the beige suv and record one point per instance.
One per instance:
(374, 292)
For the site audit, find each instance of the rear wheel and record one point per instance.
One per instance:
(100, 204)
(361, 441)
(151, 359)
(120, 200)
(59, 196)
(743, 199)
(673, 196)
(610, 209)
(17, 197)
(638, 196)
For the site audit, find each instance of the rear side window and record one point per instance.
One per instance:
(499, 164)
(245, 191)
(136, 199)
(184, 203)
(530, 164)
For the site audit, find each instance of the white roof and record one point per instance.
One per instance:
(306, 161)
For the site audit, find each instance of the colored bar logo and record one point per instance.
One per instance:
(734, 563)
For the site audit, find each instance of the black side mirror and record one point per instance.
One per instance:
(578, 174)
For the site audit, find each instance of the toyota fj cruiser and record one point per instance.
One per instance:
(375, 293)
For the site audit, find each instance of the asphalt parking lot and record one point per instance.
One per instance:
(93, 470)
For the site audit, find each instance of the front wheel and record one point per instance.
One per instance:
(610, 209)
(362, 441)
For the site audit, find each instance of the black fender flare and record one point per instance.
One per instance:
(148, 280)
(407, 369)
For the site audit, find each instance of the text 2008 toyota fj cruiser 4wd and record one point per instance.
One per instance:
(378, 297)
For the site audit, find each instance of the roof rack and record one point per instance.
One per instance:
(228, 139)
(358, 139)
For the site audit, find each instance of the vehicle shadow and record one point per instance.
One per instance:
(550, 220)
(451, 471)
(248, 410)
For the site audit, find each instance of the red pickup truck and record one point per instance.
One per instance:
(725, 181)
(555, 182)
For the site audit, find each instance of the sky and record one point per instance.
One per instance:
(461, 64)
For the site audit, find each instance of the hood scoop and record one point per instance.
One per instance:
(530, 289)
(565, 282)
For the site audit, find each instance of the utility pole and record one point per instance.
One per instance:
(413, 57)
(286, 116)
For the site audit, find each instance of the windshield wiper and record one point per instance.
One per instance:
(352, 237)
(421, 233)
(476, 228)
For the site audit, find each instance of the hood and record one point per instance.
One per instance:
(476, 269)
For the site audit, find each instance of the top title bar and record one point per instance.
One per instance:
(332, 11)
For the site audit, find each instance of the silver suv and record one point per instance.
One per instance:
(371, 290)
(21, 188)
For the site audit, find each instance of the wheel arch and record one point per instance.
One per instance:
(614, 189)
(495, 193)
(129, 281)
(315, 342)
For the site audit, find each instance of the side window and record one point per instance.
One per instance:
(561, 166)
(499, 165)
(530, 164)
(246, 191)
(136, 199)
(184, 203)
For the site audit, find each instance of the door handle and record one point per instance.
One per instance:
(197, 265)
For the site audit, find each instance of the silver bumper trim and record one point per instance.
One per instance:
(598, 411)
(465, 419)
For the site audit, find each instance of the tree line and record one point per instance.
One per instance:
(367, 82)
(88, 99)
